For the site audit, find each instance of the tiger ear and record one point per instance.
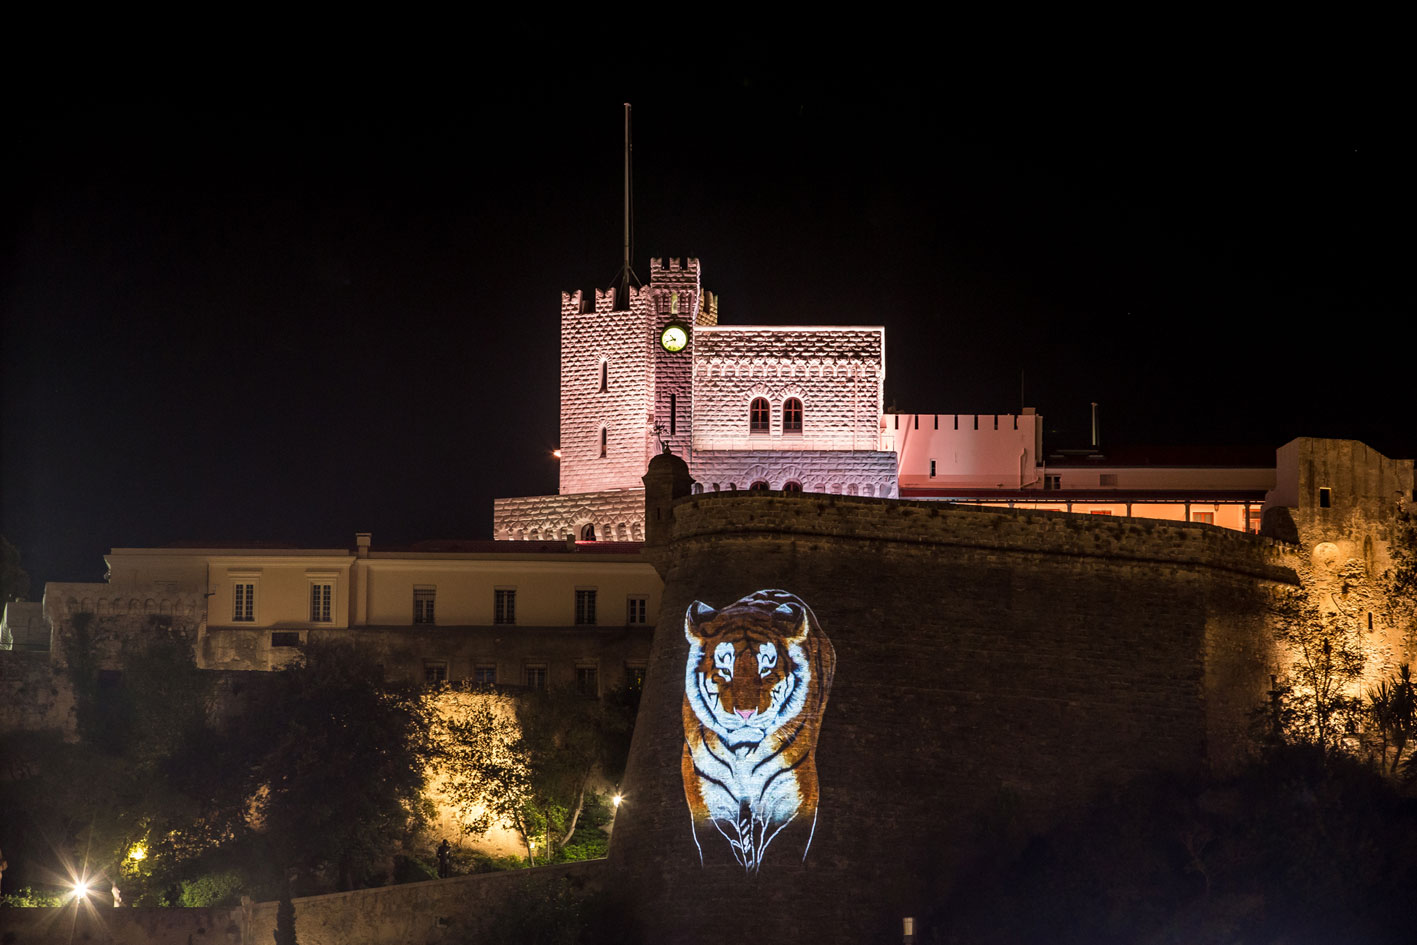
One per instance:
(697, 613)
(799, 617)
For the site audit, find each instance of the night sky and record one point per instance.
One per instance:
(289, 304)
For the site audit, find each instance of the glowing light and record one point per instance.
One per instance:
(81, 889)
(556, 454)
(138, 852)
(617, 800)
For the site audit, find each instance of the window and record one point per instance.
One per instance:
(585, 607)
(635, 676)
(792, 415)
(588, 532)
(1206, 517)
(423, 596)
(604, 374)
(636, 610)
(484, 674)
(504, 605)
(285, 638)
(587, 681)
(759, 485)
(1052, 482)
(1325, 497)
(244, 607)
(758, 421)
(932, 469)
(1253, 519)
(320, 598)
(435, 672)
(536, 675)
(792, 485)
(673, 413)
(602, 442)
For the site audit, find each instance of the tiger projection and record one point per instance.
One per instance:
(755, 685)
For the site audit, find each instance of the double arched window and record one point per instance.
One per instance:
(759, 416)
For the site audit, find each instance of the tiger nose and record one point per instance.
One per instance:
(746, 713)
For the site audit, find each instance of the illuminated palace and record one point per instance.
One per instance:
(563, 595)
(800, 409)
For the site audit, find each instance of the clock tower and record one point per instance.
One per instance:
(679, 306)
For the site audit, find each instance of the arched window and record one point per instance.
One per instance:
(758, 416)
(604, 374)
(602, 442)
(760, 485)
(792, 415)
(587, 532)
(792, 485)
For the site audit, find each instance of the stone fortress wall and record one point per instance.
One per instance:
(985, 658)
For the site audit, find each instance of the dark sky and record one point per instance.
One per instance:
(244, 300)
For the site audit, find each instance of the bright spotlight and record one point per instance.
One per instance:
(617, 800)
(556, 453)
(81, 888)
(139, 852)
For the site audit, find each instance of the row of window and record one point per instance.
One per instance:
(504, 605)
(760, 416)
(792, 485)
(534, 675)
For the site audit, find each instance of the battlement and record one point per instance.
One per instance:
(658, 271)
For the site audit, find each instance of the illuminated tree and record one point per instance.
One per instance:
(1319, 704)
(485, 762)
(527, 764)
(1392, 708)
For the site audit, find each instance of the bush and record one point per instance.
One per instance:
(211, 889)
(31, 898)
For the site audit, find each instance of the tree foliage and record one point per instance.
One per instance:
(487, 765)
(342, 777)
(527, 764)
(1319, 704)
(1392, 709)
(324, 775)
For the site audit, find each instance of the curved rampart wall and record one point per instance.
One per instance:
(987, 660)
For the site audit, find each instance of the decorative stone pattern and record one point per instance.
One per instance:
(618, 515)
(620, 341)
(837, 373)
(829, 471)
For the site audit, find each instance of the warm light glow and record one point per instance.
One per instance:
(617, 800)
(556, 453)
(138, 852)
(81, 888)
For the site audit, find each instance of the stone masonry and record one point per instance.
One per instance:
(987, 660)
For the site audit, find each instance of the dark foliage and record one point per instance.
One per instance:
(1302, 846)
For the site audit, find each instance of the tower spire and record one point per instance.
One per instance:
(627, 272)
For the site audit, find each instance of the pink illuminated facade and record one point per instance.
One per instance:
(747, 406)
(799, 409)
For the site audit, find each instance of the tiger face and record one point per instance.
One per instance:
(745, 678)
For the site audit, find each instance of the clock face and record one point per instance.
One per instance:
(674, 337)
